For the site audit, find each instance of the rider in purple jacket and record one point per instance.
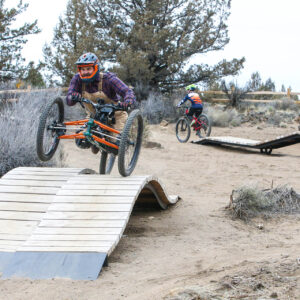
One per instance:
(92, 84)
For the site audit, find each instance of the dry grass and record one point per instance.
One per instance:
(250, 201)
(223, 118)
(18, 127)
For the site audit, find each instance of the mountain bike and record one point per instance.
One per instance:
(95, 131)
(202, 126)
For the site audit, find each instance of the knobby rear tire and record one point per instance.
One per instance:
(107, 161)
(183, 125)
(125, 138)
(42, 155)
(208, 124)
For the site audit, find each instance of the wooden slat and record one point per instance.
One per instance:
(64, 249)
(105, 187)
(21, 215)
(43, 169)
(85, 244)
(73, 237)
(77, 181)
(82, 224)
(110, 177)
(89, 207)
(28, 190)
(79, 231)
(85, 215)
(48, 173)
(10, 243)
(13, 237)
(8, 248)
(23, 206)
(96, 193)
(30, 198)
(17, 227)
(92, 199)
(35, 177)
(31, 183)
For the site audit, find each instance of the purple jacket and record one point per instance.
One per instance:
(112, 86)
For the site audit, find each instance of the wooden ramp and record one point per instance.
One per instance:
(265, 146)
(61, 223)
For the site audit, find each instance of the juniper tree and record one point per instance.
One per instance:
(149, 42)
(12, 40)
(152, 40)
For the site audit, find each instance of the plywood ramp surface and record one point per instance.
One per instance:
(92, 202)
(25, 195)
(68, 215)
(278, 142)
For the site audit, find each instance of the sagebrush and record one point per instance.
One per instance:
(251, 201)
(18, 127)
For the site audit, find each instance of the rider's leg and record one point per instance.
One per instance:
(190, 115)
(197, 112)
(121, 118)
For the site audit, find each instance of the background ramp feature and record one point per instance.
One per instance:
(83, 224)
(265, 146)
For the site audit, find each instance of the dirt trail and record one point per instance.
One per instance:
(195, 242)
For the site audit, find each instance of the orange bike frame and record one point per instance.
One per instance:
(81, 135)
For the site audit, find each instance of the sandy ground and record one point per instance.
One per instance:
(194, 246)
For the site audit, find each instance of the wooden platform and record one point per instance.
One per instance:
(265, 146)
(68, 216)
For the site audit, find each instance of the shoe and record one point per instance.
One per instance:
(94, 149)
(192, 123)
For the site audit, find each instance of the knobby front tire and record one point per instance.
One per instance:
(107, 161)
(130, 144)
(183, 130)
(47, 140)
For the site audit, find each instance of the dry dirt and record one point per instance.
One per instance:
(194, 250)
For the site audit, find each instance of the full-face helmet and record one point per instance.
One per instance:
(86, 61)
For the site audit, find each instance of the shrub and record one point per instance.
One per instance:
(158, 107)
(286, 104)
(18, 127)
(223, 118)
(250, 201)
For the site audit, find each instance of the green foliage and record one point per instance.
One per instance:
(149, 42)
(12, 40)
(33, 75)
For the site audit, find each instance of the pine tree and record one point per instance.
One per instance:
(12, 40)
(33, 75)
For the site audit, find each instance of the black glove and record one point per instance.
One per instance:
(123, 105)
(75, 97)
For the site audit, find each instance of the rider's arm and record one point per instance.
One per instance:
(183, 100)
(122, 89)
(75, 86)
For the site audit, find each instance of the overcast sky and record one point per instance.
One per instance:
(266, 32)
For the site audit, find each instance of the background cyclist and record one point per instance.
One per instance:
(194, 98)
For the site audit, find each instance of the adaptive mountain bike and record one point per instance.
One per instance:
(202, 126)
(95, 131)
